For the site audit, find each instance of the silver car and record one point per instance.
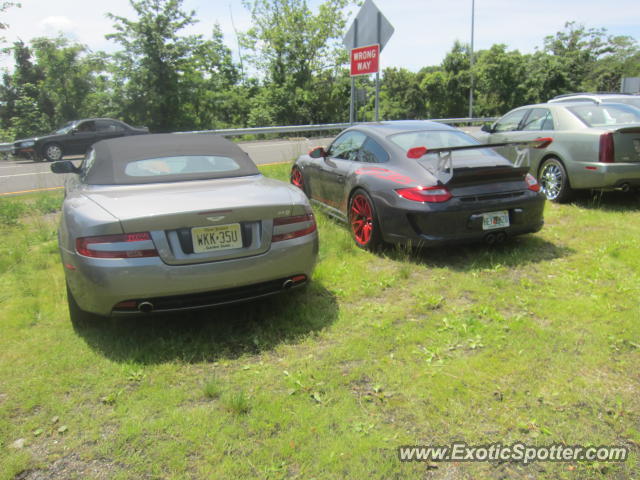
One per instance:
(595, 145)
(162, 223)
(626, 98)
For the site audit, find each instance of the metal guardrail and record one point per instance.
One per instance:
(231, 132)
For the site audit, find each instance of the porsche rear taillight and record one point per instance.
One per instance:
(127, 245)
(287, 228)
(532, 183)
(607, 151)
(437, 194)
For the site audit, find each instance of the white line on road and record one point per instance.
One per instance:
(23, 174)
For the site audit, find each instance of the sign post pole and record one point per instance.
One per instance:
(378, 23)
(369, 28)
(353, 80)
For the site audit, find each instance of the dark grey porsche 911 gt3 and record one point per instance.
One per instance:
(422, 183)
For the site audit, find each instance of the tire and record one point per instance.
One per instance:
(554, 181)
(297, 179)
(363, 221)
(52, 152)
(76, 314)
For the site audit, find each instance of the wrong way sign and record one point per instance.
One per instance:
(365, 60)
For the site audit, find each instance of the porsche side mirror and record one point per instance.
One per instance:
(64, 167)
(318, 152)
(486, 128)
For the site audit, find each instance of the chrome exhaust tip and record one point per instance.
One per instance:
(287, 283)
(625, 187)
(145, 307)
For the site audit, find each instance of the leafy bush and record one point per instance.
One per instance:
(11, 211)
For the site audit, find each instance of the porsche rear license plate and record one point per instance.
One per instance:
(218, 237)
(493, 220)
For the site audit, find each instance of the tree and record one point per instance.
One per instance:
(499, 82)
(589, 59)
(4, 6)
(53, 81)
(171, 81)
(294, 50)
(149, 68)
(401, 96)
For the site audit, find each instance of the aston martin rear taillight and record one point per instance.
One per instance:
(437, 194)
(286, 228)
(532, 183)
(127, 245)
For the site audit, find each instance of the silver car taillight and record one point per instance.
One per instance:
(127, 245)
(286, 228)
(607, 152)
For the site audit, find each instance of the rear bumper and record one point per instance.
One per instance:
(606, 175)
(98, 285)
(27, 153)
(457, 222)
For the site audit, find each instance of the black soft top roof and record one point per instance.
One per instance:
(113, 155)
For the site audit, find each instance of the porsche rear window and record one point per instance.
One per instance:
(180, 165)
(432, 139)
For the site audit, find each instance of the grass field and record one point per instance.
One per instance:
(537, 341)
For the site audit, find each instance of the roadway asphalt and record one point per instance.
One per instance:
(24, 176)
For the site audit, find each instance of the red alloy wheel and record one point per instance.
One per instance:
(361, 217)
(296, 178)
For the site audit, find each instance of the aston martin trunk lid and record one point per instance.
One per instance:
(198, 203)
(200, 221)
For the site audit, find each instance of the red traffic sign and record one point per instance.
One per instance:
(364, 60)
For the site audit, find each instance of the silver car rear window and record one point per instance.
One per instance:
(606, 115)
(179, 165)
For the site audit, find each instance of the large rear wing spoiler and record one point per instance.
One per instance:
(443, 163)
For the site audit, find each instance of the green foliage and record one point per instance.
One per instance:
(4, 6)
(298, 53)
(171, 81)
(11, 211)
(401, 95)
(498, 81)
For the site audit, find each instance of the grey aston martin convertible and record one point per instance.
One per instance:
(422, 183)
(159, 223)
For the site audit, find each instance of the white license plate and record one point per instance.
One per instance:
(218, 237)
(493, 220)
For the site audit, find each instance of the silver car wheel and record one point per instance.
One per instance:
(53, 152)
(551, 180)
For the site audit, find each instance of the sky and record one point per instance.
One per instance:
(425, 30)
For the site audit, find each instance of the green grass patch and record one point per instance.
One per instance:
(537, 341)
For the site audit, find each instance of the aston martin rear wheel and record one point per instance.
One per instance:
(554, 181)
(76, 314)
(363, 221)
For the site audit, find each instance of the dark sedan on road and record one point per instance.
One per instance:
(74, 138)
(422, 183)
